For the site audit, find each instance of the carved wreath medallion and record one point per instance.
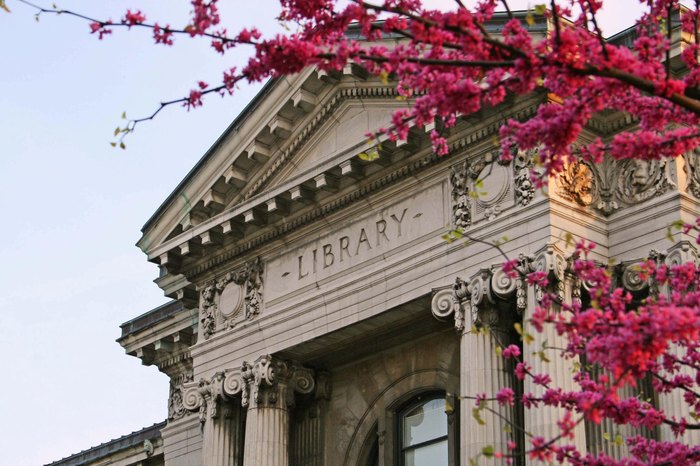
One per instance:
(235, 297)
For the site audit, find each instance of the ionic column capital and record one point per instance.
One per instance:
(268, 373)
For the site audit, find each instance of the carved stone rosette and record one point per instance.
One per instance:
(233, 298)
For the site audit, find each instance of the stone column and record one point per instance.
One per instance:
(221, 417)
(268, 393)
(482, 370)
(542, 421)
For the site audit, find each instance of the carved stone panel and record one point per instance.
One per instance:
(356, 241)
(493, 187)
(639, 180)
(461, 201)
(523, 164)
(231, 299)
(692, 171)
(612, 184)
(577, 183)
(176, 407)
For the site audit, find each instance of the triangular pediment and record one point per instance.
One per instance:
(342, 132)
(293, 125)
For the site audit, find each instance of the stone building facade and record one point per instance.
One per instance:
(323, 306)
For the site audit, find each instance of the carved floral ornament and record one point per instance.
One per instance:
(235, 297)
(476, 301)
(176, 407)
(257, 384)
(612, 184)
(692, 171)
(484, 186)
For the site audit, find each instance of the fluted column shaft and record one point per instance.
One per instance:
(482, 371)
(542, 421)
(673, 405)
(222, 436)
(267, 428)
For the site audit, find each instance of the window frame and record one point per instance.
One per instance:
(400, 414)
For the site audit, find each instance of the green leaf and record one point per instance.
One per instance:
(569, 238)
(669, 235)
(487, 451)
(123, 115)
(113, 144)
(122, 145)
(369, 156)
(476, 414)
(530, 19)
(117, 130)
(606, 436)
(540, 9)
(518, 328)
(384, 76)
(618, 440)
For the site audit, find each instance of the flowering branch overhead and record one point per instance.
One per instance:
(452, 63)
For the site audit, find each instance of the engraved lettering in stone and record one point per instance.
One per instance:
(351, 243)
(398, 221)
(335, 251)
(301, 275)
(381, 230)
(363, 239)
(344, 245)
(328, 257)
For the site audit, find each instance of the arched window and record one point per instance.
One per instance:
(423, 432)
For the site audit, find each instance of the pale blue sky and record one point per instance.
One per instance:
(72, 208)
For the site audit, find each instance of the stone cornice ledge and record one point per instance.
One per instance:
(459, 145)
